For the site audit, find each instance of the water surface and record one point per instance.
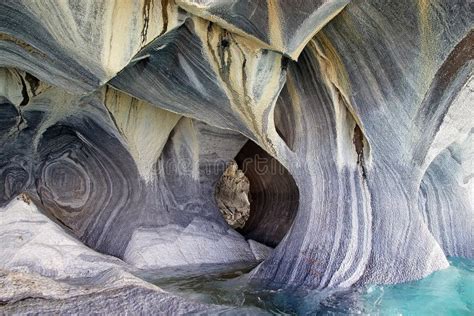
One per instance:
(446, 292)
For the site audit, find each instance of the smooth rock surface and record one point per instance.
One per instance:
(32, 243)
(377, 108)
(58, 156)
(260, 251)
(272, 24)
(79, 46)
(196, 244)
(118, 118)
(45, 270)
(111, 292)
(446, 198)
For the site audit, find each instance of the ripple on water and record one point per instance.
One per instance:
(445, 292)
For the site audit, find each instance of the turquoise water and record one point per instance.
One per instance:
(445, 292)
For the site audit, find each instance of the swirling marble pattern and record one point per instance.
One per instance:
(389, 110)
(272, 24)
(218, 78)
(32, 243)
(35, 250)
(446, 199)
(190, 231)
(330, 239)
(79, 46)
(118, 118)
(90, 168)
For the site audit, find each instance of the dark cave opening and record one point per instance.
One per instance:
(273, 196)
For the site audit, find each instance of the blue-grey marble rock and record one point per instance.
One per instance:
(216, 77)
(109, 293)
(376, 103)
(446, 199)
(87, 168)
(351, 120)
(283, 26)
(80, 46)
(45, 270)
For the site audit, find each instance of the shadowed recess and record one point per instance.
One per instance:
(83, 189)
(273, 196)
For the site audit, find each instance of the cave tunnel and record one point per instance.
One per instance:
(273, 196)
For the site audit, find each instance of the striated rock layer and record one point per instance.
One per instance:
(352, 122)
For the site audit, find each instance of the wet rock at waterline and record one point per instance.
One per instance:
(350, 124)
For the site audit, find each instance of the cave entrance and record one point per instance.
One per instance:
(258, 196)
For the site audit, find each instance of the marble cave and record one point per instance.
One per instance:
(248, 157)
